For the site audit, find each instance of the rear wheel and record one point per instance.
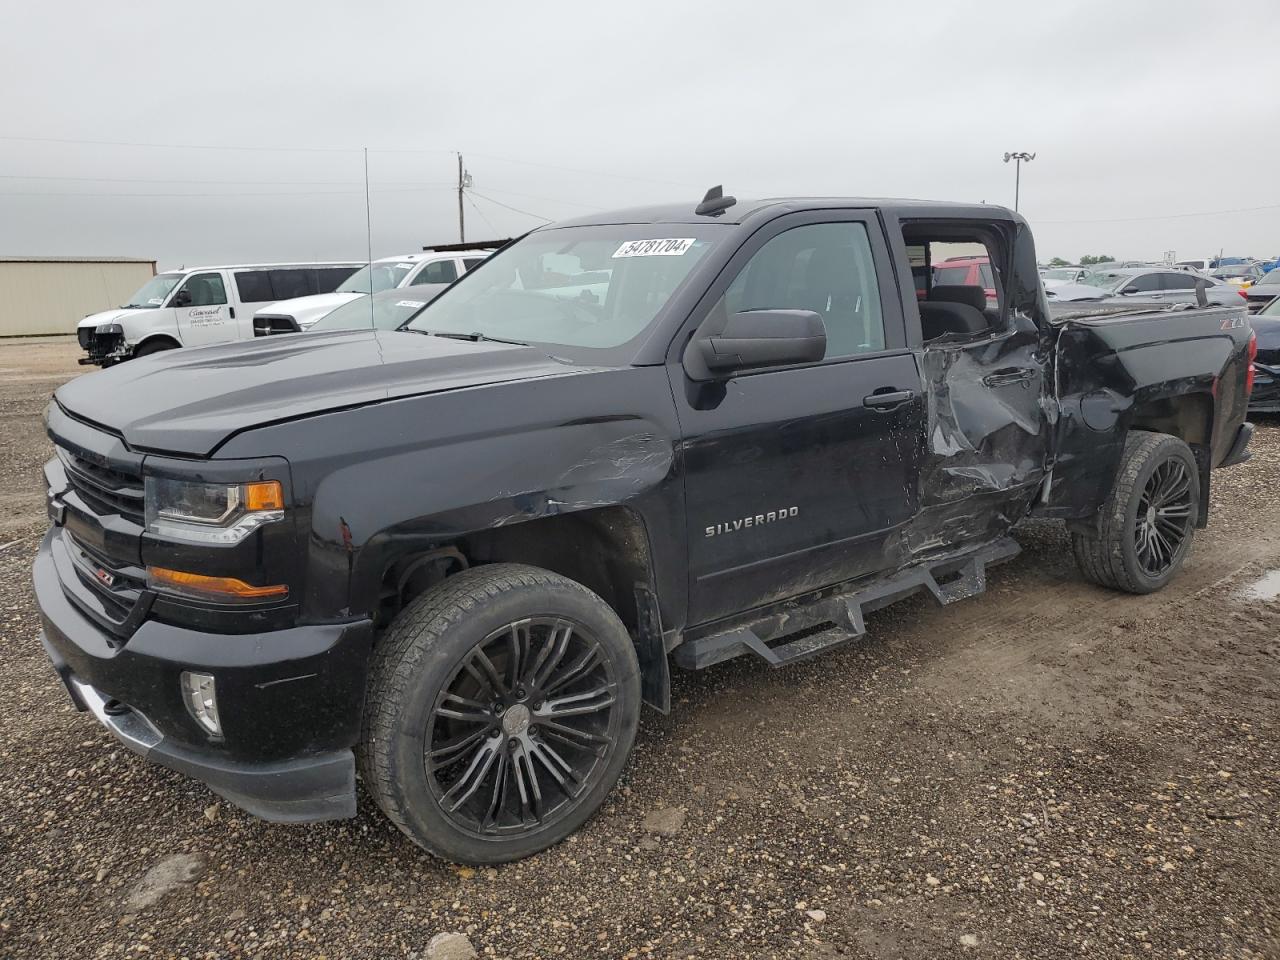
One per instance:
(501, 709)
(1142, 532)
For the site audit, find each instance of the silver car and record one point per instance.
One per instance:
(1142, 284)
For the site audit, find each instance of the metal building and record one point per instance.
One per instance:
(51, 294)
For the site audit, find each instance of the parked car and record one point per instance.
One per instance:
(1239, 274)
(463, 553)
(1263, 291)
(187, 308)
(385, 310)
(1266, 365)
(1150, 284)
(967, 271)
(411, 269)
(1057, 276)
(1199, 266)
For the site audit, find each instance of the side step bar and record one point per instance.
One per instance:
(830, 621)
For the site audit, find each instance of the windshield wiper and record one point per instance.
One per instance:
(475, 338)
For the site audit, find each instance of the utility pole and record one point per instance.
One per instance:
(464, 181)
(1017, 159)
(462, 223)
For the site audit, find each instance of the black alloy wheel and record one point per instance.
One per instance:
(520, 728)
(1163, 520)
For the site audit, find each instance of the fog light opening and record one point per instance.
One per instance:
(200, 695)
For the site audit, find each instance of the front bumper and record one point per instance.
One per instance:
(290, 701)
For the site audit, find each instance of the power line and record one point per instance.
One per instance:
(1169, 216)
(280, 183)
(493, 231)
(179, 146)
(221, 194)
(589, 173)
(513, 209)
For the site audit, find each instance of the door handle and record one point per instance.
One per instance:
(889, 400)
(1003, 378)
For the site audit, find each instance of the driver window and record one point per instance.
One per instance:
(824, 267)
(203, 290)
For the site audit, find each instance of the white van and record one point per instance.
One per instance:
(188, 308)
(389, 273)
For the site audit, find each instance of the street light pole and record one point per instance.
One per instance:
(1017, 159)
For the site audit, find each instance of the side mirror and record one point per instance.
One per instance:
(764, 338)
(181, 299)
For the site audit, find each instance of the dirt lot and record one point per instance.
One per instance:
(1049, 770)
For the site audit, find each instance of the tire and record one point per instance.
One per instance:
(154, 346)
(1113, 550)
(451, 650)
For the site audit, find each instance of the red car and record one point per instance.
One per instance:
(967, 271)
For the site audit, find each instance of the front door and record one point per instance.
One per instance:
(798, 477)
(203, 310)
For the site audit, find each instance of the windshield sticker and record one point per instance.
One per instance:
(156, 301)
(411, 303)
(405, 266)
(654, 248)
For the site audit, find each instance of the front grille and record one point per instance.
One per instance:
(105, 490)
(99, 346)
(117, 587)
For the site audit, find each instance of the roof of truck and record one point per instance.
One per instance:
(744, 210)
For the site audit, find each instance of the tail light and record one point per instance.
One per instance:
(1244, 294)
(1253, 355)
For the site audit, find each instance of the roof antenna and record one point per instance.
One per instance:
(714, 203)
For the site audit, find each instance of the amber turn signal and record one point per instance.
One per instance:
(264, 495)
(211, 588)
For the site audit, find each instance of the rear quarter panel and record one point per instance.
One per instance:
(1179, 370)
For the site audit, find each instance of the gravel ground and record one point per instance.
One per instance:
(1049, 770)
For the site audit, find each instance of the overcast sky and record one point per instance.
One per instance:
(1145, 116)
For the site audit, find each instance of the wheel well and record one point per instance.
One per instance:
(606, 550)
(157, 338)
(1188, 417)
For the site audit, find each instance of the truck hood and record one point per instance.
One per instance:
(118, 315)
(307, 310)
(187, 402)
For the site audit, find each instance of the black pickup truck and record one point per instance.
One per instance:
(458, 556)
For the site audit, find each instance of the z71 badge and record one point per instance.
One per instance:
(759, 520)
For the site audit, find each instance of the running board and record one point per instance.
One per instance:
(832, 620)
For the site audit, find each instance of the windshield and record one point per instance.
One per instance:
(1238, 271)
(1272, 309)
(596, 287)
(153, 292)
(386, 276)
(1059, 274)
(1105, 281)
(387, 313)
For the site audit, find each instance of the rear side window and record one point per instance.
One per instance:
(824, 267)
(328, 278)
(287, 284)
(254, 286)
(950, 276)
(1178, 281)
(472, 262)
(438, 271)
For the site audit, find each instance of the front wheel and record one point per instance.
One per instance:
(1142, 532)
(501, 709)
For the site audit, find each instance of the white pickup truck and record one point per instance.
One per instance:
(187, 308)
(435, 266)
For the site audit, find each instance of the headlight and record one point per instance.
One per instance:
(211, 512)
